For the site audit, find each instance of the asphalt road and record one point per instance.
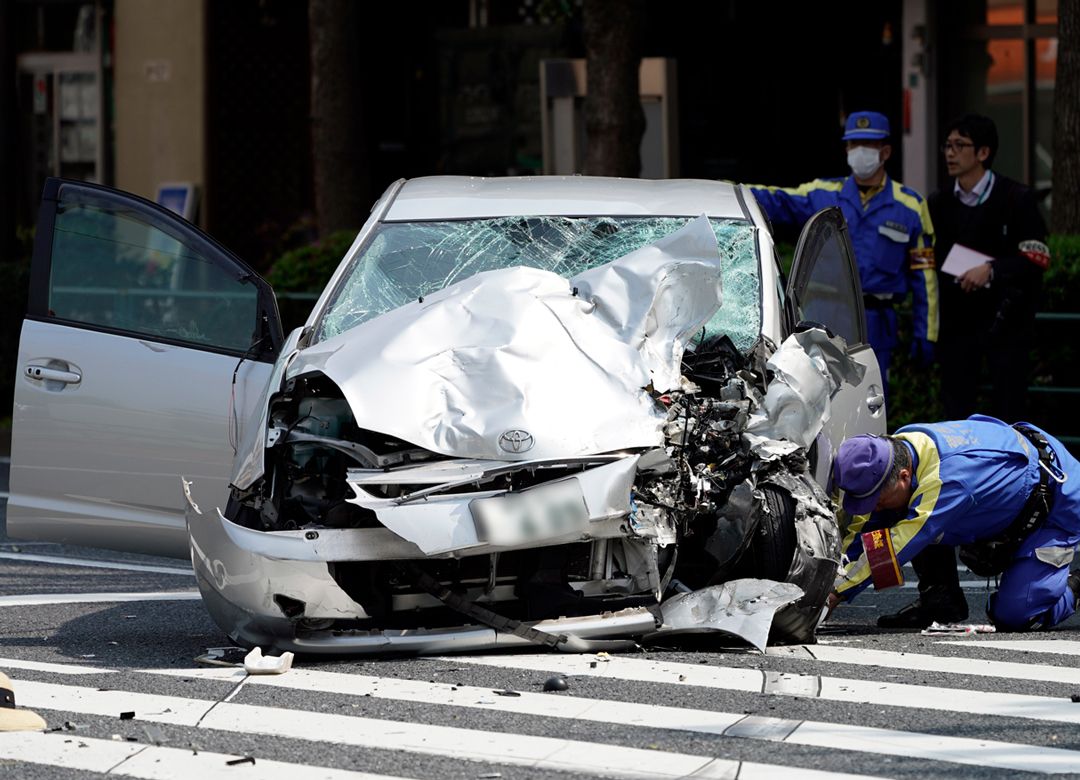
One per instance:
(862, 701)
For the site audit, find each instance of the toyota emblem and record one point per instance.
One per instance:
(516, 441)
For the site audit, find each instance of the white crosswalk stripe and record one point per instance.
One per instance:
(274, 706)
(927, 697)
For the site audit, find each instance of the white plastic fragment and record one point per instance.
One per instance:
(256, 663)
(939, 629)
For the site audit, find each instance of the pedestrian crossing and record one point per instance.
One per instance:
(644, 715)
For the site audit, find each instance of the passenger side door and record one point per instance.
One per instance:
(824, 288)
(144, 348)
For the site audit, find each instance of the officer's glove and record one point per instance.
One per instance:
(923, 352)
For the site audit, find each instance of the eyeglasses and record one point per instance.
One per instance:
(955, 146)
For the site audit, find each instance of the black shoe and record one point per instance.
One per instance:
(918, 615)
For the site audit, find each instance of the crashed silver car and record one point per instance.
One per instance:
(570, 412)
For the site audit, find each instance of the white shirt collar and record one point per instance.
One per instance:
(979, 193)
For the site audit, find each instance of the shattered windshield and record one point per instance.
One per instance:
(406, 260)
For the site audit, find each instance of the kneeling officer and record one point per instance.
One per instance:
(1009, 496)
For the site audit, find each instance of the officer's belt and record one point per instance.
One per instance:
(1041, 501)
(878, 301)
(990, 557)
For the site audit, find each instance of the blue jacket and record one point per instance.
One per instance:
(893, 237)
(970, 480)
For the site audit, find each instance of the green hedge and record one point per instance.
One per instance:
(306, 269)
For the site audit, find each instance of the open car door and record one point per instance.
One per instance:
(144, 347)
(824, 289)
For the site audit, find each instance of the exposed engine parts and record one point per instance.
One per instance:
(704, 509)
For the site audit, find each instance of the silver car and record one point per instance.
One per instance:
(570, 412)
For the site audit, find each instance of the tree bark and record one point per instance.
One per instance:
(339, 172)
(1066, 205)
(614, 121)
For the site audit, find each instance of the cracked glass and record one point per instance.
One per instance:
(404, 261)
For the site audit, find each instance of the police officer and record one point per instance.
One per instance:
(890, 230)
(1008, 495)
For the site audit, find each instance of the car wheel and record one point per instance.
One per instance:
(773, 545)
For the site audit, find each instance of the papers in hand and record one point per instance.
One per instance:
(961, 259)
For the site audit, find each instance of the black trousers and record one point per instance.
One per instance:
(979, 328)
(939, 579)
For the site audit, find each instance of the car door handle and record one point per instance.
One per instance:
(53, 374)
(875, 402)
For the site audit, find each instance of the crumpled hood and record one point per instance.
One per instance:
(561, 365)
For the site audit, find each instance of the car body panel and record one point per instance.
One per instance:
(95, 462)
(95, 455)
(461, 197)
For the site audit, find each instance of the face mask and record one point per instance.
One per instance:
(864, 161)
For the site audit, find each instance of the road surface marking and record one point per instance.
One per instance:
(92, 564)
(40, 599)
(41, 666)
(829, 688)
(1058, 646)
(921, 662)
(450, 742)
(69, 750)
(975, 752)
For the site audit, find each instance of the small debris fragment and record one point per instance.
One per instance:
(592, 664)
(1076, 698)
(129, 715)
(257, 663)
(492, 775)
(69, 726)
(154, 735)
(244, 760)
(939, 629)
(555, 683)
(506, 693)
(682, 678)
(130, 617)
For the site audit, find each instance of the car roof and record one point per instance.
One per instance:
(470, 197)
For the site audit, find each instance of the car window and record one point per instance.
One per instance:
(114, 267)
(406, 260)
(828, 291)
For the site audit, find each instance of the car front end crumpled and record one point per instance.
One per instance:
(525, 459)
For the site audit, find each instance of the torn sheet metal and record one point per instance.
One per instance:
(517, 351)
(808, 369)
(817, 556)
(657, 297)
(743, 608)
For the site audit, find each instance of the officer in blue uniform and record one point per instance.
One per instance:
(890, 229)
(1009, 496)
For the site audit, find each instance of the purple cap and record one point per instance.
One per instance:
(860, 469)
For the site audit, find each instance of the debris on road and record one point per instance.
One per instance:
(555, 683)
(948, 629)
(129, 715)
(244, 760)
(256, 663)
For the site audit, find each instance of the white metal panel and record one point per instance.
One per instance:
(465, 197)
(98, 462)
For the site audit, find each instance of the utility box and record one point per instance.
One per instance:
(562, 106)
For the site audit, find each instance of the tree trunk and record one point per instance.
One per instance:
(1066, 208)
(339, 171)
(614, 121)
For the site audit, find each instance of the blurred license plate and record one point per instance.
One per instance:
(532, 515)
